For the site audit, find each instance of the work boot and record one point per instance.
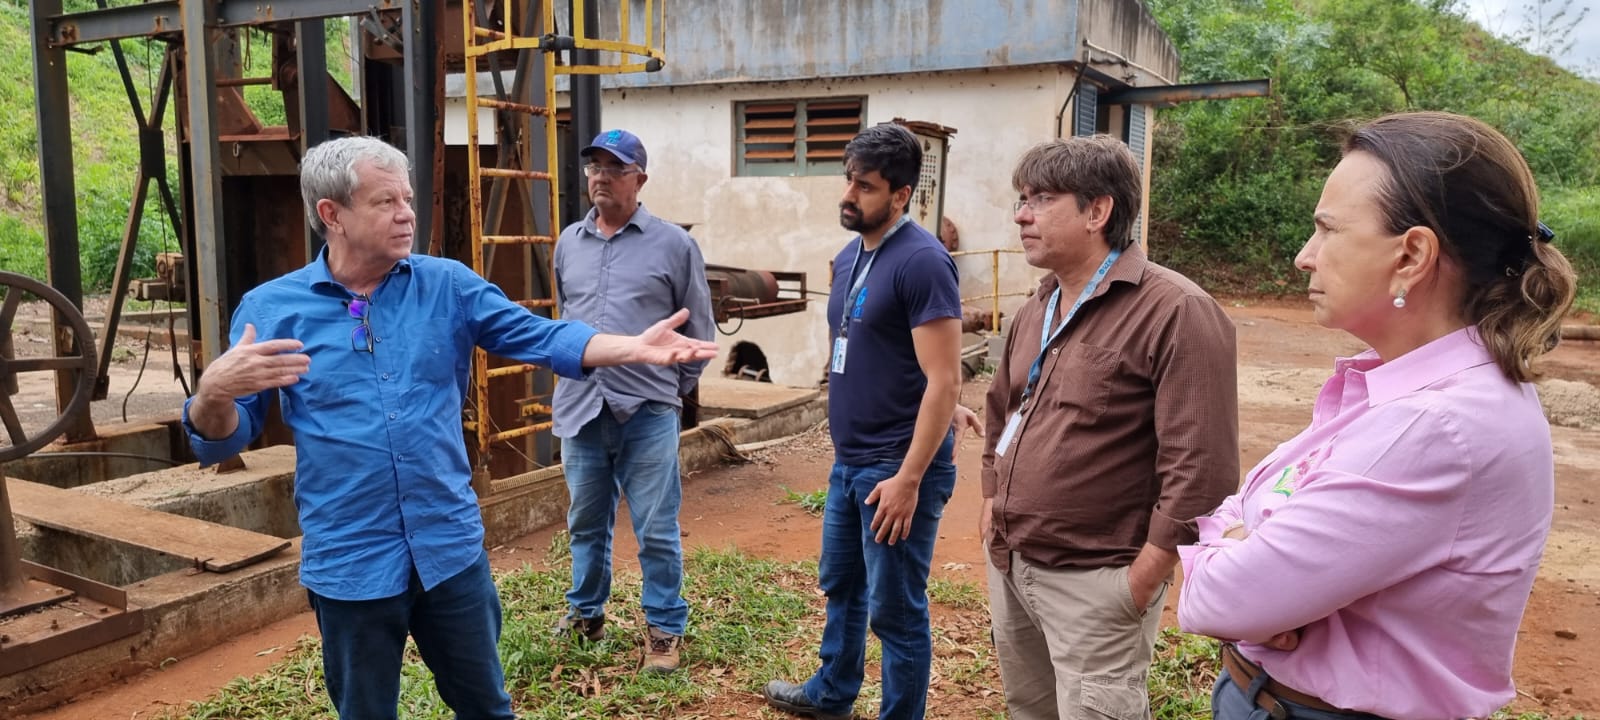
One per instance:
(591, 629)
(661, 655)
(791, 698)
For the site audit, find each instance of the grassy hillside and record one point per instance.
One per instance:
(1235, 181)
(105, 146)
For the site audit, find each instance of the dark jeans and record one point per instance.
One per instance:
(457, 629)
(878, 585)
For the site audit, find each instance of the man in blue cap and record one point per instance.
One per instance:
(621, 267)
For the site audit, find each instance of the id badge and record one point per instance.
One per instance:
(838, 355)
(1010, 432)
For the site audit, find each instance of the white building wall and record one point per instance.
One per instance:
(793, 223)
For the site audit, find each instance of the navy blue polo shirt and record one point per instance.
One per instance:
(872, 406)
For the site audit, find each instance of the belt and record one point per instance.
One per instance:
(1244, 674)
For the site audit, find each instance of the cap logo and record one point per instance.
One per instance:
(614, 137)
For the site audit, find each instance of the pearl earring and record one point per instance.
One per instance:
(1400, 299)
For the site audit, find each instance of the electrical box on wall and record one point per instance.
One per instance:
(927, 202)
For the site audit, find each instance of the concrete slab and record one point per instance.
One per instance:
(744, 399)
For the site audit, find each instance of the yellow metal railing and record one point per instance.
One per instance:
(479, 42)
(994, 282)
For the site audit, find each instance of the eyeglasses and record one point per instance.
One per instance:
(592, 170)
(1035, 203)
(361, 337)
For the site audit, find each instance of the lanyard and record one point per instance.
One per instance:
(861, 279)
(1046, 336)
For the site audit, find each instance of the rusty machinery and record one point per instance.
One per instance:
(46, 613)
(236, 209)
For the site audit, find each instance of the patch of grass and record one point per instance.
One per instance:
(1571, 213)
(811, 502)
(958, 594)
(1182, 674)
(747, 615)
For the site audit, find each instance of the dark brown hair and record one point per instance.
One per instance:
(1087, 168)
(1467, 183)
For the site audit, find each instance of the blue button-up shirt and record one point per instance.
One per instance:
(623, 284)
(382, 483)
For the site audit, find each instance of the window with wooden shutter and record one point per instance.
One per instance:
(795, 137)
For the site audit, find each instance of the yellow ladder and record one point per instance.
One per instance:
(498, 34)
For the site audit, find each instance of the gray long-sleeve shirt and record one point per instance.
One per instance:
(624, 284)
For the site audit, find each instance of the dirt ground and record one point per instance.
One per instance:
(1284, 357)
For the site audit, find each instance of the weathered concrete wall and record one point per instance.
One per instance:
(157, 439)
(1125, 27)
(780, 223)
(713, 41)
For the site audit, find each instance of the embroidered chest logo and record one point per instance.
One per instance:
(1289, 479)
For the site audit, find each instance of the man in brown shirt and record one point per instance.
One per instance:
(1095, 469)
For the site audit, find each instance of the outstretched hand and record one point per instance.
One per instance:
(661, 344)
(250, 367)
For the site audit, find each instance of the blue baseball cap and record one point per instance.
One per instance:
(621, 143)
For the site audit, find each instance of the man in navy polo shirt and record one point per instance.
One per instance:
(894, 320)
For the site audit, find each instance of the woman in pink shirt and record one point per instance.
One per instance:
(1379, 562)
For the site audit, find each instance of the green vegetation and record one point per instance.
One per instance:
(1236, 182)
(753, 619)
(105, 154)
(812, 502)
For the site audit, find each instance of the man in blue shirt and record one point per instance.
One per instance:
(894, 376)
(616, 269)
(393, 538)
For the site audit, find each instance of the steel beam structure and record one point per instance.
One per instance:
(205, 196)
(419, 23)
(311, 71)
(1169, 94)
(57, 194)
(167, 17)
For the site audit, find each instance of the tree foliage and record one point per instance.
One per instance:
(1238, 179)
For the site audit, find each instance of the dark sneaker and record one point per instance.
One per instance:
(661, 652)
(791, 698)
(591, 629)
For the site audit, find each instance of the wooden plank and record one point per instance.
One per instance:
(215, 547)
(824, 153)
(780, 123)
(769, 155)
(724, 397)
(830, 137)
(768, 139)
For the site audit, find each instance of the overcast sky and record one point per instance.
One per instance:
(1504, 17)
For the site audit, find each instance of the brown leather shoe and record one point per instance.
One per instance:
(592, 629)
(661, 652)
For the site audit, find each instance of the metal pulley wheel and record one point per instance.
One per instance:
(14, 439)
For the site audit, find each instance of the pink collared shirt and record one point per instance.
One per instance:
(1400, 533)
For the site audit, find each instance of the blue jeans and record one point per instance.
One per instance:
(637, 459)
(457, 629)
(1228, 702)
(878, 585)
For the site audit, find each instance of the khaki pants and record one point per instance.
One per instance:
(1071, 643)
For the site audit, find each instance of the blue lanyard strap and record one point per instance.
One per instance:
(1047, 335)
(861, 277)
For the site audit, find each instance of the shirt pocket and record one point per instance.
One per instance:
(1082, 381)
(434, 356)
